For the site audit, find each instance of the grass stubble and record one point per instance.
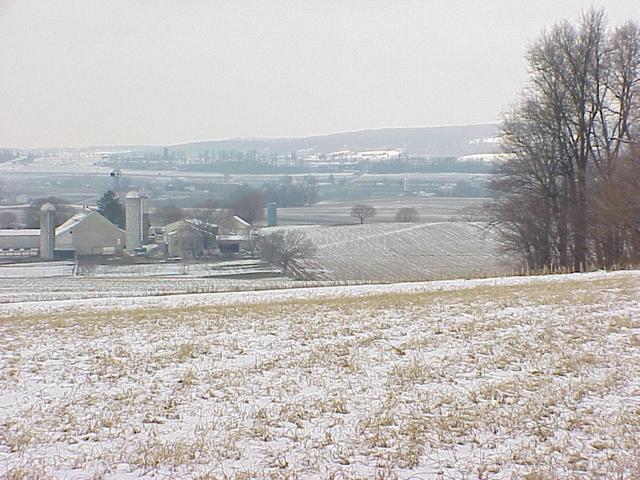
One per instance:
(533, 381)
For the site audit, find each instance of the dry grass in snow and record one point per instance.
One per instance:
(539, 380)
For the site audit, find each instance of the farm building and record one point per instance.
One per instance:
(190, 238)
(237, 226)
(89, 233)
(231, 243)
(19, 243)
(236, 236)
(86, 233)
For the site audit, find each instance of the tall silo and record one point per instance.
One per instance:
(272, 214)
(146, 223)
(47, 231)
(133, 207)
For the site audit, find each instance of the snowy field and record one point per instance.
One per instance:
(393, 252)
(243, 267)
(226, 268)
(534, 378)
(73, 288)
(339, 212)
(35, 270)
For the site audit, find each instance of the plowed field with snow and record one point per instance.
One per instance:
(393, 252)
(534, 378)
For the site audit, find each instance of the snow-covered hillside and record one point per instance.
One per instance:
(532, 377)
(388, 252)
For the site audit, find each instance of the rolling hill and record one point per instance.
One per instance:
(438, 141)
(393, 252)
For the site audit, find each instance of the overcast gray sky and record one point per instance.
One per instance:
(90, 72)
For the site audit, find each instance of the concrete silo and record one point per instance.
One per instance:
(133, 223)
(47, 231)
(146, 223)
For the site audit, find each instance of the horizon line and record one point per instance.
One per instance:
(266, 138)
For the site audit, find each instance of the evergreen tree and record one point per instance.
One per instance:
(111, 208)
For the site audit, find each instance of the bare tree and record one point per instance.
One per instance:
(8, 219)
(207, 216)
(362, 211)
(469, 214)
(309, 185)
(286, 249)
(167, 214)
(564, 141)
(615, 214)
(32, 214)
(249, 205)
(407, 214)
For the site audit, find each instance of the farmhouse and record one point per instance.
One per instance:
(191, 238)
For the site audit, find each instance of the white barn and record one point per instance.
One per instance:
(86, 233)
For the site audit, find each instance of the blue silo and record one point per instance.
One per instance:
(272, 214)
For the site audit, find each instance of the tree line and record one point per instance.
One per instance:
(565, 197)
(288, 192)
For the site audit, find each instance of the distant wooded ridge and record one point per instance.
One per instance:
(445, 141)
(454, 140)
